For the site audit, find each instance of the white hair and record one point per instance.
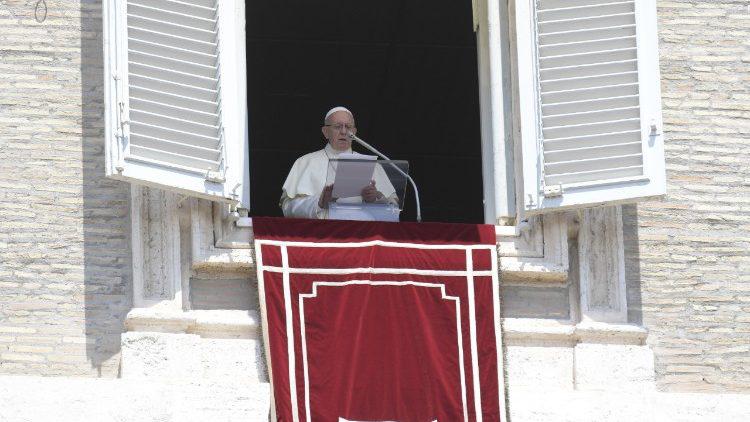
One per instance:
(334, 110)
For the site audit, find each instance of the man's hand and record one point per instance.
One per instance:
(325, 197)
(370, 194)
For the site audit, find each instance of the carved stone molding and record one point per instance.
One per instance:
(216, 242)
(536, 251)
(157, 273)
(601, 260)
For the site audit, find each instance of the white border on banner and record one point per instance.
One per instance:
(314, 293)
(473, 334)
(264, 323)
(371, 270)
(370, 243)
(291, 354)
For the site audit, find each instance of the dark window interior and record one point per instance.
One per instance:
(406, 68)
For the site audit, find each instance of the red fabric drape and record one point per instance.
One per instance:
(368, 321)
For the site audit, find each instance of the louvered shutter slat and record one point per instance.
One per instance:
(565, 120)
(174, 88)
(589, 93)
(596, 175)
(587, 34)
(167, 122)
(590, 105)
(175, 112)
(585, 129)
(587, 46)
(167, 76)
(595, 69)
(184, 101)
(583, 82)
(156, 37)
(166, 64)
(209, 154)
(162, 155)
(185, 8)
(174, 135)
(572, 154)
(211, 4)
(146, 9)
(566, 4)
(595, 163)
(179, 54)
(573, 10)
(582, 59)
(591, 140)
(149, 24)
(588, 23)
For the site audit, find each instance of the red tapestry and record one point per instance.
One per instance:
(371, 321)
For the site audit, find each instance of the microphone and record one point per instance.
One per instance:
(354, 137)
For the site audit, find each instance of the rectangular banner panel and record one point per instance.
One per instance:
(380, 322)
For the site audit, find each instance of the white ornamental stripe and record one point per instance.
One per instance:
(371, 270)
(371, 243)
(264, 316)
(498, 335)
(290, 337)
(473, 336)
(459, 334)
(347, 420)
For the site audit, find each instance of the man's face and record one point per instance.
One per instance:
(337, 127)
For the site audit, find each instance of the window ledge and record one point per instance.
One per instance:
(520, 331)
(227, 259)
(209, 324)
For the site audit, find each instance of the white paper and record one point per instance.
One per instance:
(353, 176)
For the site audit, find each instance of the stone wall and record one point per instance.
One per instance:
(64, 228)
(688, 258)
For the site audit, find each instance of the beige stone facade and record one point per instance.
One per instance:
(64, 228)
(66, 282)
(688, 257)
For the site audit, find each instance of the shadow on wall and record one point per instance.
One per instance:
(106, 213)
(632, 263)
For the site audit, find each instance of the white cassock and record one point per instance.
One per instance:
(307, 178)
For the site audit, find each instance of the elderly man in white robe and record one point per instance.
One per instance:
(305, 194)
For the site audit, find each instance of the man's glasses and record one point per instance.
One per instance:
(339, 126)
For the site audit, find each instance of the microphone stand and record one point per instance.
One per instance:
(354, 137)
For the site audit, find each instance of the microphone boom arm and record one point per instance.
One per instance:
(354, 137)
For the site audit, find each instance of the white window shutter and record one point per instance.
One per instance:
(589, 103)
(175, 113)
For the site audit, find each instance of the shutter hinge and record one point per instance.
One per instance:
(654, 128)
(552, 191)
(530, 202)
(215, 176)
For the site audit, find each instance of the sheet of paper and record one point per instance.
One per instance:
(353, 176)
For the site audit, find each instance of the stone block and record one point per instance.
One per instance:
(613, 367)
(542, 368)
(185, 357)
